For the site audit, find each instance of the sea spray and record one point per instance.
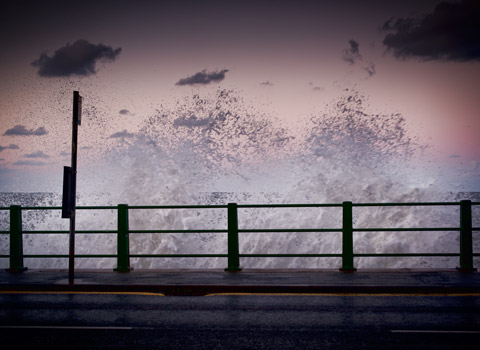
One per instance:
(215, 149)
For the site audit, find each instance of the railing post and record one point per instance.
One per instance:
(233, 249)
(16, 240)
(347, 238)
(466, 246)
(123, 247)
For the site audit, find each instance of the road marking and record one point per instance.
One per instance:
(354, 294)
(78, 292)
(66, 327)
(253, 294)
(432, 331)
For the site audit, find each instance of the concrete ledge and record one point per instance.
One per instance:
(204, 282)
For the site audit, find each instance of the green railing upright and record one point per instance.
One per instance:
(123, 246)
(466, 240)
(347, 237)
(233, 246)
(16, 239)
(233, 256)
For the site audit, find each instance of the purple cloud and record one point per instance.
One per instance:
(79, 58)
(450, 33)
(11, 146)
(21, 130)
(121, 135)
(203, 78)
(38, 154)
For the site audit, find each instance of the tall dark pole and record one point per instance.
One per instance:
(77, 113)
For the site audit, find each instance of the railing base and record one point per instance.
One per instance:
(20, 270)
(233, 270)
(463, 269)
(123, 270)
(347, 270)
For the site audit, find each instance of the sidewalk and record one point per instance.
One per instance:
(204, 282)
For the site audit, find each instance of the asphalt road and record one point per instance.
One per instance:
(106, 321)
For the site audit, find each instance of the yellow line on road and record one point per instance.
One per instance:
(81, 292)
(108, 328)
(253, 294)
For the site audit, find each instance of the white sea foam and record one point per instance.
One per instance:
(215, 149)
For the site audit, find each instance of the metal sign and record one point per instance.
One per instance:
(68, 196)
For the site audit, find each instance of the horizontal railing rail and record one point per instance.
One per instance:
(232, 230)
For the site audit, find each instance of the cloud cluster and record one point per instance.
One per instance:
(316, 87)
(29, 163)
(266, 83)
(11, 146)
(21, 130)
(370, 69)
(121, 135)
(38, 154)
(352, 54)
(450, 33)
(203, 78)
(79, 58)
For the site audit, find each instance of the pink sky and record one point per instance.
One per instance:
(303, 49)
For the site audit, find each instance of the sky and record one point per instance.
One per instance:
(290, 58)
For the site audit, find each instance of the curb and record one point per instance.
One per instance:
(202, 290)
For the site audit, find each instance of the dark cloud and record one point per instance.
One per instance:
(78, 58)
(203, 78)
(28, 162)
(38, 154)
(11, 146)
(450, 33)
(21, 130)
(266, 83)
(352, 54)
(370, 69)
(121, 134)
(124, 112)
(316, 87)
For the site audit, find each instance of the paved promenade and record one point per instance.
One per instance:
(204, 282)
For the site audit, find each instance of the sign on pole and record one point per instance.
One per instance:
(68, 196)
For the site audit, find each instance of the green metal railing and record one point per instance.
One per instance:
(233, 256)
